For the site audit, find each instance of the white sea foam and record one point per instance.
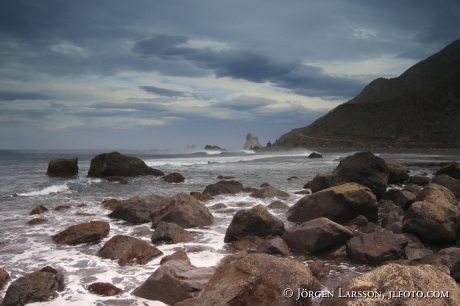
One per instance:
(46, 191)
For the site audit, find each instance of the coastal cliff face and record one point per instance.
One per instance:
(419, 108)
(251, 143)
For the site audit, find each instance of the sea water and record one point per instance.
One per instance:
(24, 185)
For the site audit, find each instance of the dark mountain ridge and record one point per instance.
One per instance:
(419, 108)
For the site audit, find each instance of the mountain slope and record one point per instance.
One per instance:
(419, 108)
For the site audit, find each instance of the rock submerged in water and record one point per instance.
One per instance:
(170, 233)
(83, 233)
(63, 167)
(3, 277)
(38, 210)
(174, 178)
(223, 187)
(104, 289)
(116, 164)
(251, 143)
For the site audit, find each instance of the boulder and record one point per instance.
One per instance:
(201, 197)
(273, 245)
(398, 174)
(183, 210)
(392, 222)
(359, 221)
(213, 148)
(401, 198)
(376, 247)
(264, 185)
(219, 206)
(451, 169)
(36, 221)
(414, 188)
(251, 142)
(278, 205)
(170, 233)
(3, 278)
(339, 204)
(174, 281)
(393, 278)
(437, 194)
(178, 255)
(269, 192)
(110, 203)
(419, 180)
(255, 221)
(316, 235)
(223, 187)
(116, 164)
(292, 178)
(128, 250)
(137, 209)
(451, 259)
(225, 177)
(174, 178)
(315, 155)
(40, 286)
(318, 268)
(321, 181)
(38, 210)
(83, 233)
(62, 167)
(104, 289)
(448, 182)
(256, 279)
(117, 179)
(62, 207)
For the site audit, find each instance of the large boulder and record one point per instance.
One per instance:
(128, 250)
(183, 210)
(174, 178)
(391, 279)
(116, 164)
(269, 192)
(38, 210)
(137, 209)
(316, 235)
(251, 143)
(448, 182)
(256, 221)
(223, 187)
(3, 277)
(376, 247)
(103, 289)
(40, 286)
(257, 279)
(62, 167)
(398, 174)
(174, 281)
(83, 233)
(170, 233)
(419, 180)
(451, 169)
(340, 204)
(273, 245)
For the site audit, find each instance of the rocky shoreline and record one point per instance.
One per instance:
(366, 211)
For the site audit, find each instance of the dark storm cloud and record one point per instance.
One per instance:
(164, 92)
(12, 96)
(26, 113)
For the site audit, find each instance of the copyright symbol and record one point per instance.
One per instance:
(288, 292)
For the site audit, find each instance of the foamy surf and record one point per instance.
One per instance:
(46, 191)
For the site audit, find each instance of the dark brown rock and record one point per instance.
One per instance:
(63, 167)
(448, 182)
(318, 268)
(137, 209)
(339, 204)
(256, 279)
(62, 207)
(3, 278)
(174, 178)
(255, 221)
(249, 242)
(225, 177)
(117, 179)
(359, 221)
(292, 178)
(414, 188)
(376, 247)
(38, 210)
(174, 281)
(316, 235)
(128, 250)
(451, 259)
(402, 198)
(201, 197)
(269, 192)
(36, 221)
(398, 174)
(223, 187)
(451, 169)
(110, 203)
(273, 245)
(264, 185)
(178, 255)
(219, 206)
(419, 180)
(278, 205)
(40, 286)
(315, 155)
(170, 233)
(116, 164)
(104, 289)
(83, 233)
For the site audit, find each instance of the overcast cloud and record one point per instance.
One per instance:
(154, 74)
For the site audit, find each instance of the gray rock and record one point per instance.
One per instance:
(251, 142)
(63, 167)
(170, 233)
(269, 192)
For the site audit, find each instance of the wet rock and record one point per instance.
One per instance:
(273, 245)
(219, 206)
(250, 242)
(223, 187)
(183, 210)
(137, 209)
(255, 221)
(292, 178)
(451, 169)
(256, 279)
(225, 177)
(339, 204)
(319, 269)
(178, 255)
(83, 233)
(392, 222)
(414, 188)
(36, 221)
(38, 210)
(395, 278)
(40, 286)
(174, 281)
(170, 233)
(448, 182)
(376, 247)
(62, 207)
(63, 167)
(359, 221)
(116, 164)
(104, 289)
(117, 179)
(201, 197)
(264, 185)
(302, 192)
(278, 205)
(402, 198)
(128, 250)
(174, 178)
(398, 174)
(110, 203)
(451, 259)
(269, 192)
(316, 235)
(419, 180)
(82, 205)
(3, 278)
(315, 155)
(250, 189)
(416, 254)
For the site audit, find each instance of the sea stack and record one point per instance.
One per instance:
(251, 143)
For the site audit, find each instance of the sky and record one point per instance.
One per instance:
(153, 74)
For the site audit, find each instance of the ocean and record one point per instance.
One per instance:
(24, 185)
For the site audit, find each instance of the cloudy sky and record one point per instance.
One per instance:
(163, 74)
